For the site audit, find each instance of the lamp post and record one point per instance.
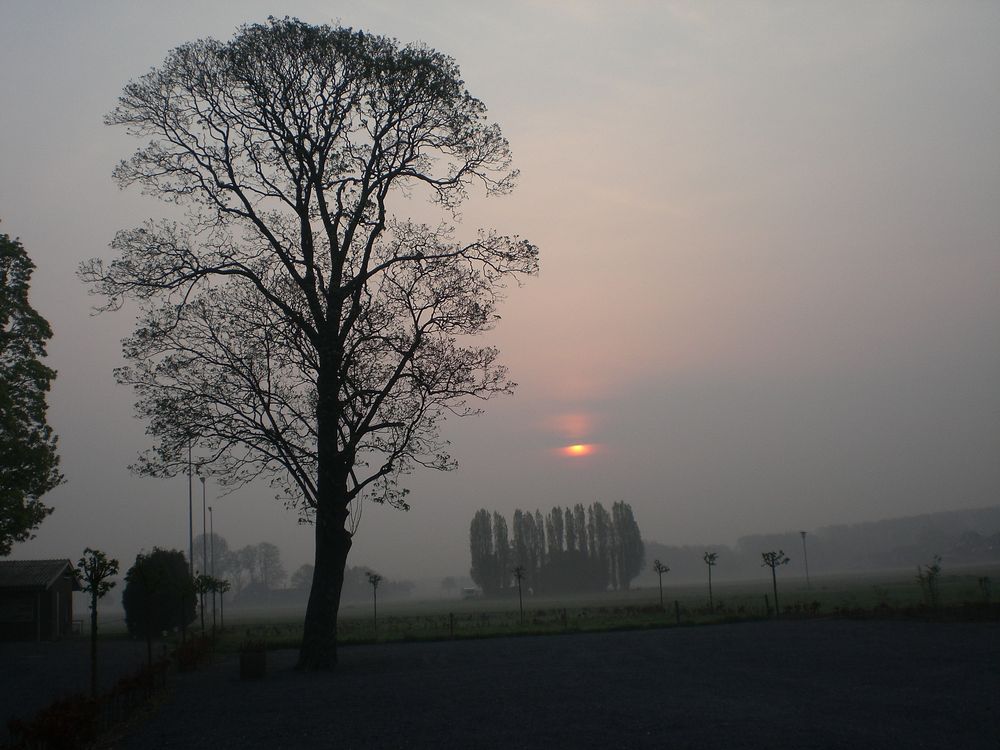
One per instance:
(190, 515)
(204, 543)
(211, 532)
(805, 557)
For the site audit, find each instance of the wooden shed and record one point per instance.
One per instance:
(36, 599)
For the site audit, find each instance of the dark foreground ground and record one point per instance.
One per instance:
(32, 675)
(818, 684)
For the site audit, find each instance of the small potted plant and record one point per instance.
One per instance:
(252, 660)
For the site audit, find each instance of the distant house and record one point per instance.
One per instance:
(36, 599)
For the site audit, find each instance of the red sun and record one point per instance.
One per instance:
(578, 450)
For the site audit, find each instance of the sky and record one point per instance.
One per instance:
(770, 264)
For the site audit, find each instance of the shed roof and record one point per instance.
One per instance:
(35, 574)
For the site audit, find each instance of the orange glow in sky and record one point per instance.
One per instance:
(580, 449)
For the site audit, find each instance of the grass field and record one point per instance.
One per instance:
(886, 592)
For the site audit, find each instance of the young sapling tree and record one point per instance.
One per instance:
(710, 559)
(222, 586)
(927, 577)
(660, 569)
(94, 569)
(374, 579)
(519, 575)
(773, 560)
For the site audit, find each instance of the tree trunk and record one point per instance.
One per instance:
(319, 637)
(774, 585)
(93, 646)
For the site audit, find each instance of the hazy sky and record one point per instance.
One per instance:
(770, 246)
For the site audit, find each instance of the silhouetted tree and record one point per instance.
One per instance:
(501, 547)
(629, 552)
(556, 543)
(608, 549)
(660, 569)
(773, 560)
(94, 569)
(710, 558)
(302, 577)
(374, 579)
(272, 572)
(226, 560)
(202, 585)
(159, 594)
(602, 538)
(29, 465)
(294, 325)
(927, 577)
(519, 576)
(484, 563)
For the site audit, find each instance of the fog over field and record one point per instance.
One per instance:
(770, 259)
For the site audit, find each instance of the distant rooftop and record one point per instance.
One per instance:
(34, 574)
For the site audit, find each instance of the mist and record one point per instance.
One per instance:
(770, 252)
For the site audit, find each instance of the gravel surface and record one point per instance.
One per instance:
(812, 684)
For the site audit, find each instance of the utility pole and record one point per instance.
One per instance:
(806, 558)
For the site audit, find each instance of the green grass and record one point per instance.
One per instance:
(639, 608)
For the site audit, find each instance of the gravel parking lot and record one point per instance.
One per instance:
(809, 684)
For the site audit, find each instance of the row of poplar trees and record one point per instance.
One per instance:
(570, 550)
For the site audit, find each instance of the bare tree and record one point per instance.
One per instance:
(711, 559)
(773, 560)
(660, 569)
(293, 325)
(94, 569)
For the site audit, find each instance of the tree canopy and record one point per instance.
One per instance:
(298, 324)
(569, 550)
(29, 465)
(159, 593)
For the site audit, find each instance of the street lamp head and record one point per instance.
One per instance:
(202, 480)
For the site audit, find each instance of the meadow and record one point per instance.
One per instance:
(882, 594)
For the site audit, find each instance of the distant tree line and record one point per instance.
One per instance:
(253, 569)
(569, 550)
(960, 537)
(356, 584)
(258, 575)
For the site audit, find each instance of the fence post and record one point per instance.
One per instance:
(767, 605)
(451, 624)
(677, 611)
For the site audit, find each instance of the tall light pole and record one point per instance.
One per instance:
(204, 545)
(805, 557)
(211, 527)
(190, 515)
